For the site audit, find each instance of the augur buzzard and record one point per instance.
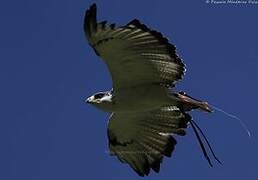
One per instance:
(146, 111)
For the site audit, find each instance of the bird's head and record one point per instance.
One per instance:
(100, 98)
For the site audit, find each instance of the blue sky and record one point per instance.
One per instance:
(47, 70)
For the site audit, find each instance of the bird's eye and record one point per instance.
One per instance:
(98, 96)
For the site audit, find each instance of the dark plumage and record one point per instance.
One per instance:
(146, 112)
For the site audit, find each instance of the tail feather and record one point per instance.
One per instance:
(190, 103)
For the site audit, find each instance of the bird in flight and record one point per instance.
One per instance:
(146, 111)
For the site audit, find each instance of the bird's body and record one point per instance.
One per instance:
(146, 110)
(142, 98)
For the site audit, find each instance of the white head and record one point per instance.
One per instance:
(102, 100)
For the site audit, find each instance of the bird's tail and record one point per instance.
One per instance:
(190, 103)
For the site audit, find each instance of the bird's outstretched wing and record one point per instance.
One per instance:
(143, 139)
(135, 55)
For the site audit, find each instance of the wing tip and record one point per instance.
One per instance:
(156, 166)
(90, 20)
(92, 8)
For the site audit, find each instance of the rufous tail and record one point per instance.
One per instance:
(190, 103)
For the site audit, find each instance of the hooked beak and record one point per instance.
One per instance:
(88, 100)
(92, 100)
